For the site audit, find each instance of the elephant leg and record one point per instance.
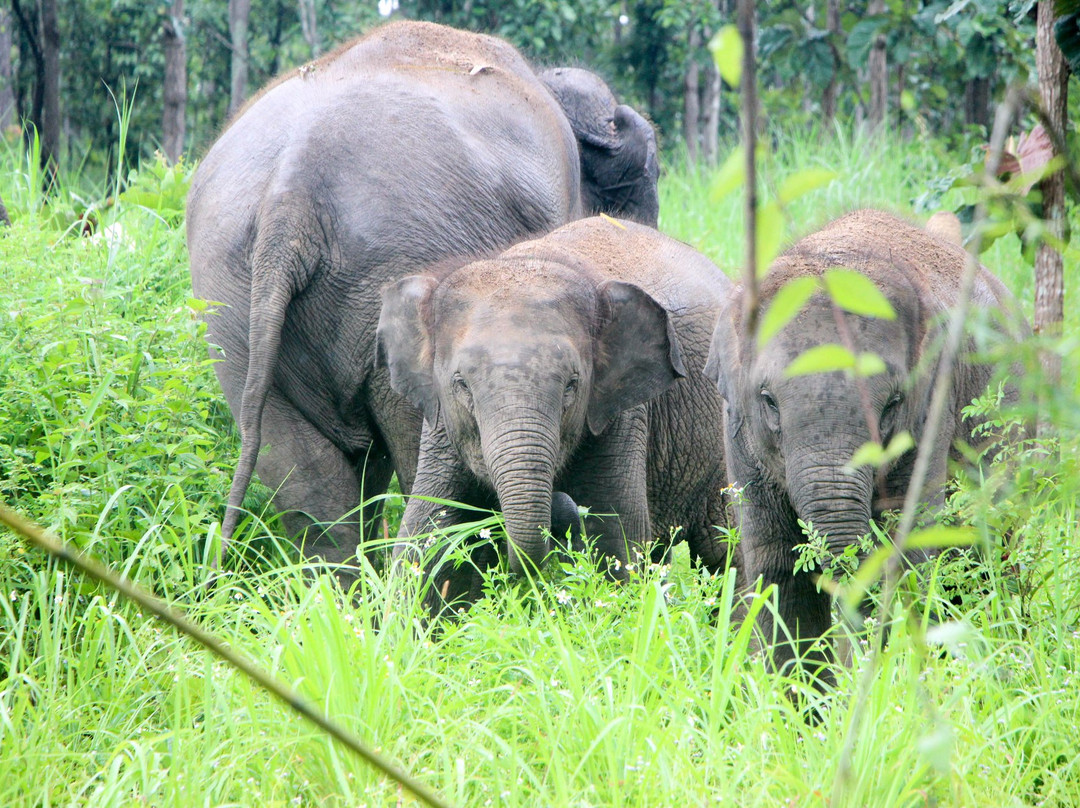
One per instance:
(441, 476)
(315, 484)
(566, 522)
(608, 476)
(804, 613)
(400, 425)
(374, 472)
(707, 538)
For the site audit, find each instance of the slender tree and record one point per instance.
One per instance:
(691, 103)
(828, 97)
(175, 84)
(50, 78)
(309, 26)
(1049, 282)
(879, 73)
(239, 13)
(7, 83)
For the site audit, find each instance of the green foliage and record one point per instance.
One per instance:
(727, 50)
(568, 690)
(159, 187)
(854, 292)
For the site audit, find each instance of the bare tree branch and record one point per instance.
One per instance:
(90, 566)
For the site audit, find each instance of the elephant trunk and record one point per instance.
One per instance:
(836, 500)
(520, 447)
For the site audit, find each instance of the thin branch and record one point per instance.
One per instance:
(749, 126)
(159, 608)
(932, 427)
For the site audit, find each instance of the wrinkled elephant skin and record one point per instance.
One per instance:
(412, 146)
(570, 364)
(789, 439)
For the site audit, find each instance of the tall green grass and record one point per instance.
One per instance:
(563, 691)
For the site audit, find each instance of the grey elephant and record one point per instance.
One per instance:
(411, 145)
(618, 149)
(788, 440)
(570, 363)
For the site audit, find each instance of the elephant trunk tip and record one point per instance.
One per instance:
(524, 559)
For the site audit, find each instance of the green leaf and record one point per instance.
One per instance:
(803, 182)
(770, 234)
(821, 359)
(852, 291)
(727, 52)
(869, 364)
(785, 305)
(941, 536)
(874, 454)
(869, 571)
(730, 175)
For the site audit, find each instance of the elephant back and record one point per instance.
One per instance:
(868, 237)
(675, 274)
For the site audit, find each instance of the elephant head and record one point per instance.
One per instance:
(519, 360)
(800, 432)
(619, 168)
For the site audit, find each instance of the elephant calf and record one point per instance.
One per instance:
(788, 440)
(571, 362)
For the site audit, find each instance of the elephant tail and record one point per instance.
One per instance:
(283, 260)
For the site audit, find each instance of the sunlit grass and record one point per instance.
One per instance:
(566, 690)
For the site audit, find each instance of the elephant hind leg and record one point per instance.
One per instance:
(316, 485)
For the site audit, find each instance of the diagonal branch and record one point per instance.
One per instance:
(90, 566)
(942, 390)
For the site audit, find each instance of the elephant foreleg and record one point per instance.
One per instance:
(804, 612)
(608, 477)
(426, 537)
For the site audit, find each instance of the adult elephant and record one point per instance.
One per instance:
(411, 145)
(573, 363)
(789, 440)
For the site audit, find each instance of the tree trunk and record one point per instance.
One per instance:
(828, 98)
(50, 77)
(7, 78)
(309, 25)
(879, 74)
(977, 102)
(175, 85)
(691, 114)
(1049, 283)
(239, 11)
(711, 135)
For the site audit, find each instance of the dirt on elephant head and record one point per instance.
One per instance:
(875, 237)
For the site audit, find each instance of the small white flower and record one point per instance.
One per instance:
(563, 596)
(485, 533)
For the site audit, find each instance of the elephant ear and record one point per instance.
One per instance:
(403, 342)
(619, 166)
(637, 354)
(725, 355)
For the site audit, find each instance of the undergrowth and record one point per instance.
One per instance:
(566, 690)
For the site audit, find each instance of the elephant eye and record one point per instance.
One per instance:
(461, 390)
(889, 411)
(772, 411)
(570, 391)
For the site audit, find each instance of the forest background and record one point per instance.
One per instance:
(926, 68)
(113, 432)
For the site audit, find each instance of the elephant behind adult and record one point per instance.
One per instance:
(789, 440)
(573, 363)
(414, 144)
